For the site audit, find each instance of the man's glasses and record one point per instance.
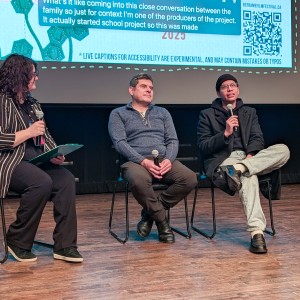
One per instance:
(226, 86)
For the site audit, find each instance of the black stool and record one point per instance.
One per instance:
(265, 182)
(156, 186)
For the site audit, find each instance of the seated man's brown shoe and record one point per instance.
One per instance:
(145, 225)
(165, 233)
(258, 244)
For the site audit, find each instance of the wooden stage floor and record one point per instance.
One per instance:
(198, 268)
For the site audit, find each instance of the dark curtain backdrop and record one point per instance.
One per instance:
(95, 163)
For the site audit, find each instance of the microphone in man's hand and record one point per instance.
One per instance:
(229, 107)
(39, 140)
(155, 157)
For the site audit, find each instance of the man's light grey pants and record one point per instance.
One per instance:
(265, 161)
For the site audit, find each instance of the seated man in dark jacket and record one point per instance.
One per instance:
(231, 144)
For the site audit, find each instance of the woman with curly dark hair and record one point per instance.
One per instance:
(23, 136)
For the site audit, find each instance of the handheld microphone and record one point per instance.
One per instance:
(155, 157)
(229, 107)
(39, 114)
(39, 140)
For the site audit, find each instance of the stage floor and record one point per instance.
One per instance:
(222, 268)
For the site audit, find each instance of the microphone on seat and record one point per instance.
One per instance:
(229, 107)
(155, 157)
(39, 140)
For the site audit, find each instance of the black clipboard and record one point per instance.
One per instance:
(57, 151)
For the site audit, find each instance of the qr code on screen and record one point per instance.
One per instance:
(262, 33)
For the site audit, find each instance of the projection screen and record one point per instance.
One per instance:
(88, 49)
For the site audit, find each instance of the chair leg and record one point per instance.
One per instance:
(4, 232)
(214, 229)
(116, 236)
(271, 232)
(188, 234)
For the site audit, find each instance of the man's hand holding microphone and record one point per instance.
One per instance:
(156, 168)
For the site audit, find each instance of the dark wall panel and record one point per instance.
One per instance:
(95, 166)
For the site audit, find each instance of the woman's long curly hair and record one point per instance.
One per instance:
(15, 75)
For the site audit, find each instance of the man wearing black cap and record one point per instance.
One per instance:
(231, 145)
